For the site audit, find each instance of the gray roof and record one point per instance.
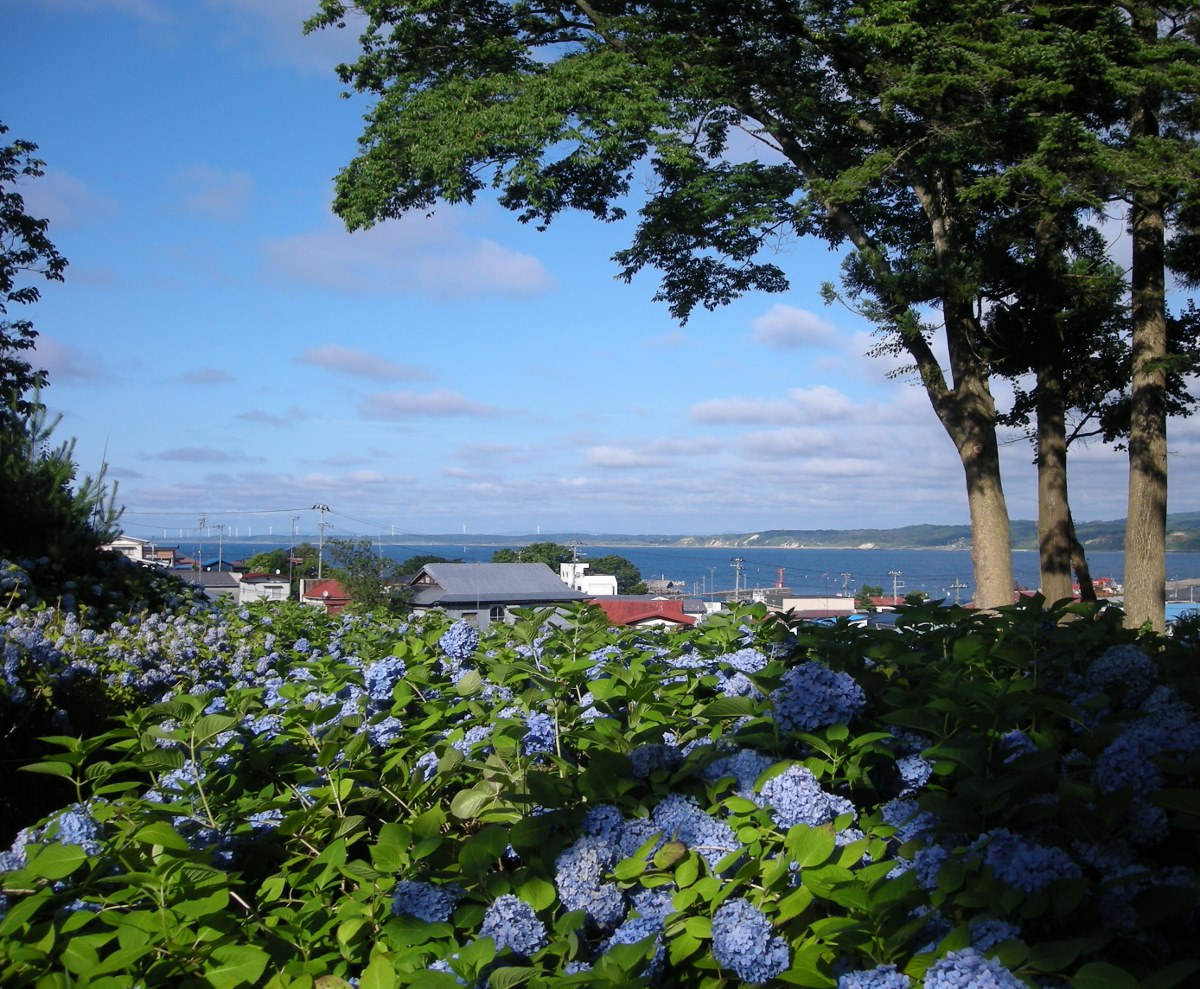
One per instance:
(491, 583)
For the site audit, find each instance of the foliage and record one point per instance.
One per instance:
(629, 578)
(371, 579)
(551, 554)
(290, 799)
(412, 566)
(44, 511)
(24, 247)
(862, 600)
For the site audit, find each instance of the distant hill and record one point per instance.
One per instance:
(1183, 536)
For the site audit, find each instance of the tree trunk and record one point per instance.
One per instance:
(1146, 517)
(1054, 516)
(968, 414)
(1083, 573)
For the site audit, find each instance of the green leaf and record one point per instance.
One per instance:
(49, 768)
(469, 683)
(388, 854)
(1101, 975)
(54, 861)
(728, 707)
(469, 804)
(379, 974)
(161, 833)
(1172, 975)
(810, 846)
(237, 964)
(509, 976)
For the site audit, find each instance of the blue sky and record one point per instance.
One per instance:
(231, 351)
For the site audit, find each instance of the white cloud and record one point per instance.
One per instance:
(64, 200)
(211, 192)
(276, 28)
(436, 404)
(623, 458)
(818, 404)
(66, 363)
(788, 328)
(360, 363)
(206, 376)
(205, 455)
(414, 255)
(264, 418)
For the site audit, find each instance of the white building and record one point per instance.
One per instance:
(574, 575)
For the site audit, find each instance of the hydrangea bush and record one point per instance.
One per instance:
(276, 797)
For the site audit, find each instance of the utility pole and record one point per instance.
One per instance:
(897, 583)
(322, 508)
(737, 563)
(845, 585)
(220, 547)
(292, 554)
(957, 586)
(200, 543)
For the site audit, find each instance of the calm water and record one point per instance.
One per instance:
(805, 571)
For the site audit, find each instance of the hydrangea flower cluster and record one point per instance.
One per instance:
(1024, 864)
(969, 969)
(745, 942)
(813, 696)
(460, 641)
(432, 904)
(1123, 671)
(880, 977)
(513, 925)
(795, 797)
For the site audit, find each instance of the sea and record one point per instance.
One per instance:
(704, 571)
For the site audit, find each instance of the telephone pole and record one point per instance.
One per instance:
(958, 587)
(897, 583)
(200, 543)
(322, 508)
(737, 563)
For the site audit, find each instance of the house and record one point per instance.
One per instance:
(214, 583)
(645, 612)
(484, 593)
(327, 594)
(263, 587)
(594, 585)
(138, 550)
(815, 607)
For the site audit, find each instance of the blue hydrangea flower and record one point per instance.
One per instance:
(882, 977)
(679, 818)
(1024, 864)
(915, 771)
(651, 756)
(1016, 744)
(744, 660)
(795, 797)
(989, 932)
(513, 924)
(432, 904)
(580, 880)
(385, 732)
(1122, 671)
(539, 734)
(605, 821)
(460, 640)
(745, 943)
(381, 678)
(968, 969)
(744, 765)
(813, 696)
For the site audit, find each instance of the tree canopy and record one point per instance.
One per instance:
(924, 140)
(551, 554)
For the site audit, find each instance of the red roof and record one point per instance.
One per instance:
(635, 611)
(330, 593)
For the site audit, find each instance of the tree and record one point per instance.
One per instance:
(371, 579)
(862, 600)
(299, 562)
(629, 578)
(551, 554)
(412, 566)
(900, 132)
(44, 510)
(24, 248)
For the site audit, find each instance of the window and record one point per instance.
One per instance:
(497, 613)
(470, 616)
